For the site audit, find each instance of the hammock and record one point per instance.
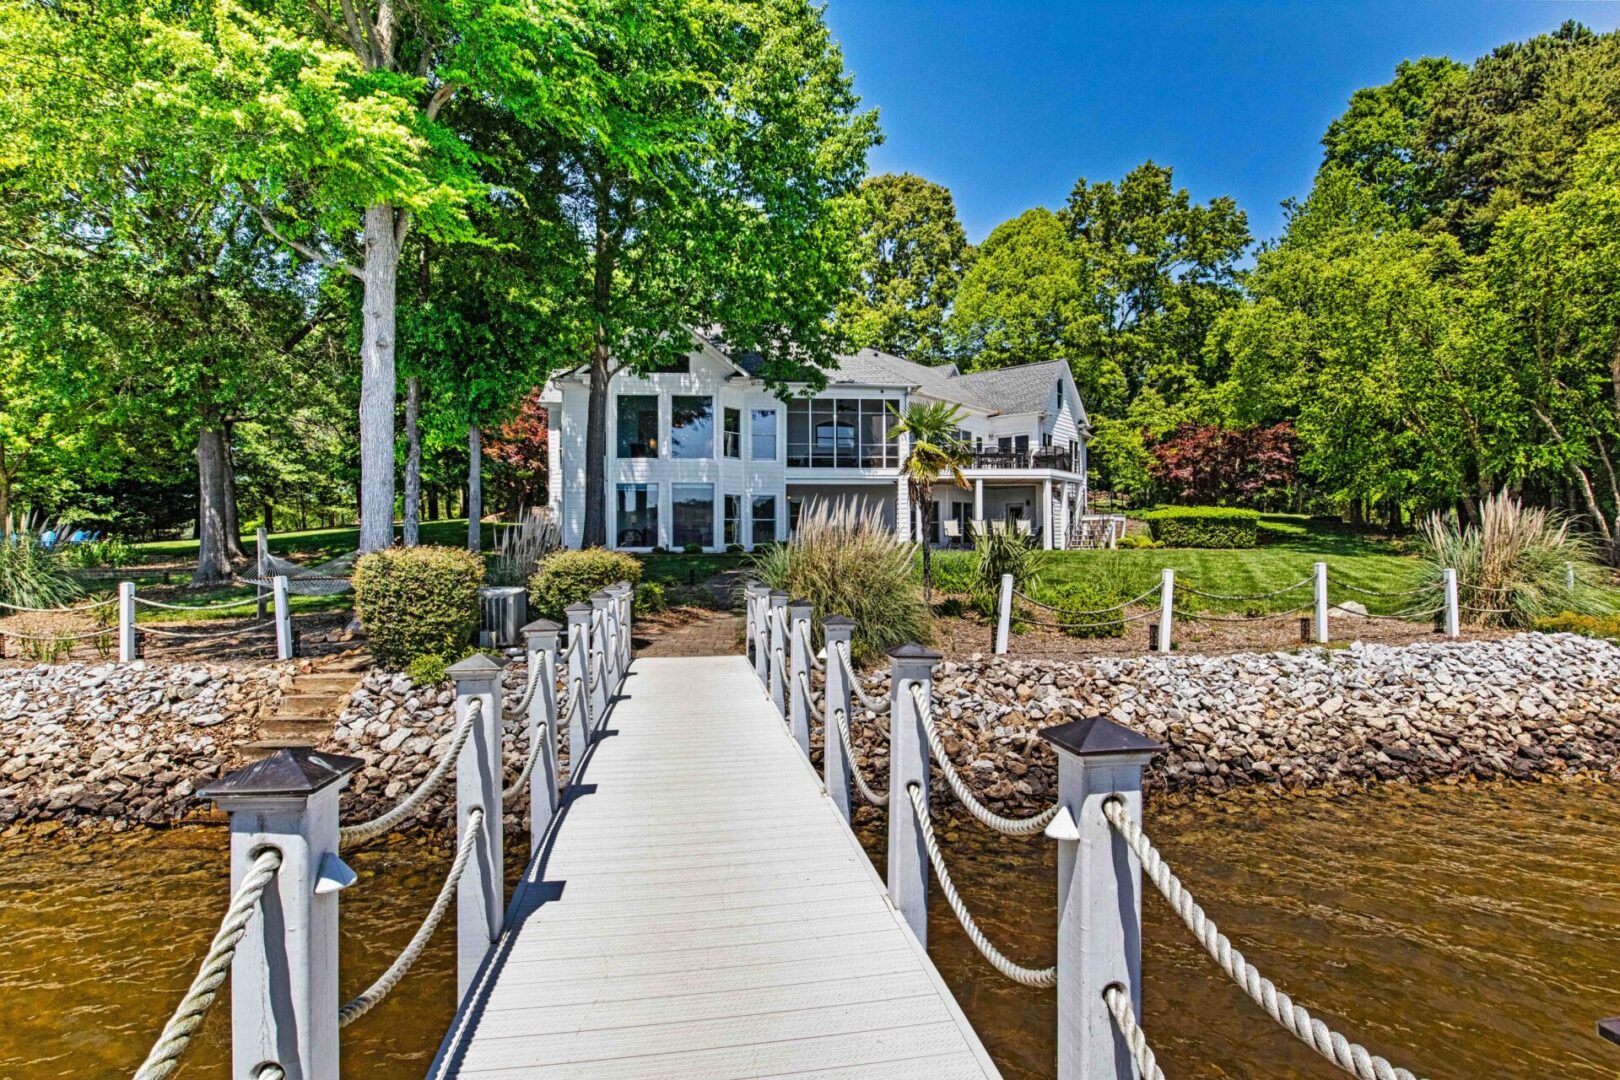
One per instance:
(325, 579)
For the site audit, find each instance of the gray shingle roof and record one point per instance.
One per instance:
(1023, 389)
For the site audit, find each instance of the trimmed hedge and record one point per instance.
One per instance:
(1203, 526)
(418, 601)
(570, 577)
(1076, 598)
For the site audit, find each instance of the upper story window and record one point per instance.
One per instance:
(638, 425)
(731, 437)
(691, 426)
(762, 434)
(841, 433)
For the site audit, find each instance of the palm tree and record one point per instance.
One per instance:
(936, 451)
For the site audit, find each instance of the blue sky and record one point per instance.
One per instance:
(1008, 103)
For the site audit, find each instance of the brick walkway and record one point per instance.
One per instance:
(717, 633)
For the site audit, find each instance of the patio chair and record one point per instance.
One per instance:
(953, 532)
(1025, 529)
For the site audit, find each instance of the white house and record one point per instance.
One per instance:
(705, 454)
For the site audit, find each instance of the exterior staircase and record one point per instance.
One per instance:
(311, 704)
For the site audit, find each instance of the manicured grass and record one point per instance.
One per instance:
(314, 545)
(687, 569)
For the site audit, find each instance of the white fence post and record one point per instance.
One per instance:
(799, 690)
(1167, 608)
(835, 766)
(1099, 893)
(284, 634)
(261, 552)
(776, 617)
(1321, 597)
(625, 593)
(754, 600)
(1453, 615)
(284, 976)
(909, 665)
(601, 662)
(540, 642)
(1569, 576)
(582, 719)
(480, 892)
(607, 636)
(1004, 614)
(127, 649)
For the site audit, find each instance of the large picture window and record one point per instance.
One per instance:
(764, 519)
(841, 433)
(691, 426)
(638, 515)
(692, 514)
(638, 425)
(762, 434)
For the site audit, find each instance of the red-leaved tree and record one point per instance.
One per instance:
(1206, 464)
(518, 450)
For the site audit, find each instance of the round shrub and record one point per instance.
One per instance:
(418, 601)
(1076, 602)
(1203, 526)
(649, 598)
(427, 670)
(570, 577)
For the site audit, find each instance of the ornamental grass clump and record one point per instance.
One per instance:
(846, 561)
(1513, 568)
(570, 577)
(418, 601)
(31, 575)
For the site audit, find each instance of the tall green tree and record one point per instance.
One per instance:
(934, 452)
(914, 253)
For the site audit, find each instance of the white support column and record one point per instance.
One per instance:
(1046, 514)
(756, 598)
(1062, 538)
(1004, 614)
(580, 720)
(1453, 613)
(284, 631)
(837, 630)
(261, 553)
(627, 597)
(978, 498)
(127, 649)
(1320, 595)
(540, 643)
(601, 659)
(776, 624)
(1167, 605)
(284, 976)
(909, 665)
(612, 638)
(799, 654)
(1099, 893)
(480, 895)
(902, 505)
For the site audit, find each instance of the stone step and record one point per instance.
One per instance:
(321, 683)
(263, 748)
(316, 704)
(305, 730)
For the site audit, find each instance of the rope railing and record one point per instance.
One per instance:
(355, 834)
(1295, 1019)
(1119, 1007)
(1335, 582)
(867, 792)
(1005, 825)
(373, 994)
(80, 635)
(207, 635)
(811, 698)
(1095, 611)
(66, 610)
(1237, 597)
(872, 705)
(1123, 620)
(223, 605)
(1026, 976)
(1191, 616)
(809, 650)
(165, 1054)
(1410, 614)
(541, 741)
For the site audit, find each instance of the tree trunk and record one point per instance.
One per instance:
(596, 435)
(233, 517)
(213, 565)
(413, 461)
(5, 496)
(269, 516)
(924, 499)
(433, 504)
(475, 488)
(377, 381)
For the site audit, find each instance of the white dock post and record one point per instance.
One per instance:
(284, 976)
(776, 620)
(581, 719)
(284, 636)
(625, 593)
(909, 665)
(126, 622)
(480, 897)
(749, 628)
(835, 766)
(601, 659)
(1167, 608)
(759, 640)
(1004, 614)
(607, 636)
(540, 642)
(798, 691)
(1321, 598)
(261, 552)
(1569, 576)
(1453, 615)
(1099, 893)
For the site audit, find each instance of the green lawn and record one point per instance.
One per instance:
(313, 545)
(687, 569)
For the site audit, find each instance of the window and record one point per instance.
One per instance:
(691, 426)
(638, 515)
(795, 511)
(762, 434)
(733, 520)
(638, 425)
(692, 514)
(764, 519)
(842, 433)
(732, 437)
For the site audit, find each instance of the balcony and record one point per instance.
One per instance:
(1047, 457)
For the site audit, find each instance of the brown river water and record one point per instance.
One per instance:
(1463, 932)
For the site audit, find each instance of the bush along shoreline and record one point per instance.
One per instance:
(130, 744)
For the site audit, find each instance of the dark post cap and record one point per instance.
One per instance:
(799, 604)
(475, 666)
(295, 770)
(601, 596)
(837, 621)
(778, 596)
(1610, 1029)
(577, 609)
(1099, 735)
(541, 626)
(913, 651)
